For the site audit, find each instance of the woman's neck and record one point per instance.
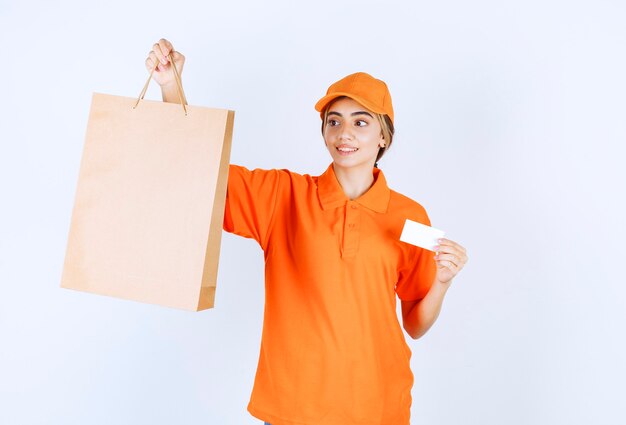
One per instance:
(354, 182)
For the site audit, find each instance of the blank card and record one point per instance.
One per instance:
(421, 235)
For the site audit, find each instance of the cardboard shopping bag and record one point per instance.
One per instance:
(147, 218)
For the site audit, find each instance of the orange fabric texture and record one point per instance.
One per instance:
(333, 351)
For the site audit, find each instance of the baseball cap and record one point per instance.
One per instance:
(363, 88)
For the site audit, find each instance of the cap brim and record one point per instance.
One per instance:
(323, 102)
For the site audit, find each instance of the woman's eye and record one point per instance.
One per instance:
(332, 122)
(361, 123)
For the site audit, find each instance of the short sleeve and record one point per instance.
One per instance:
(250, 202)
(418, 275)
(418, 268)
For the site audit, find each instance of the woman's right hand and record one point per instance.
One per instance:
(164, 75)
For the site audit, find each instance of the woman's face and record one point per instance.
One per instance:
(352, 134)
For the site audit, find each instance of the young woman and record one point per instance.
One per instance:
(332, 349)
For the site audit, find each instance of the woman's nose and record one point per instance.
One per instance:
(345, 133)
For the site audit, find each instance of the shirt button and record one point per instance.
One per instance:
(354, 207)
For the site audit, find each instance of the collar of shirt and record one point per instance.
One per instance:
(332, 196)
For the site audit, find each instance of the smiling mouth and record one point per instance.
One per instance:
(347, 150)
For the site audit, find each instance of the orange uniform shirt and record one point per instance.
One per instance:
(333, 351)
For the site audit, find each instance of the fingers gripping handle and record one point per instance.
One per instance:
(181, 93)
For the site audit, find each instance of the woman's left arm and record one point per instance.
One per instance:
(419, 316)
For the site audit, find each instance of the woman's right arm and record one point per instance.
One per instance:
(164, 75)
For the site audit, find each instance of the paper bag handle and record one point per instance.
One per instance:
(181, 92)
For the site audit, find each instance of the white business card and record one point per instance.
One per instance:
(421, 235)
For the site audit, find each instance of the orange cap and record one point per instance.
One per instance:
(365, 89)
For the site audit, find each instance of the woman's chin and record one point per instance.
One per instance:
(351, 163)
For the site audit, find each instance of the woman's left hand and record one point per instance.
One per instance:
(450, 258)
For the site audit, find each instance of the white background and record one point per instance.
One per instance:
(511, 122)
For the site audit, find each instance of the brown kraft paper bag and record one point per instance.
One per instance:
(149, 206)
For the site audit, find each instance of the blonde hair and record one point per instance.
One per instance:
(386, 128)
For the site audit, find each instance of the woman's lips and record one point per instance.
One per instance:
(346, 150)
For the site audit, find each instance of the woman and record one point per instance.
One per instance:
(332, 349)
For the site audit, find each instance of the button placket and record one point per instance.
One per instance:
(351, 232)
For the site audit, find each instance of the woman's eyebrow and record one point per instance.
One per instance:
(352, 114)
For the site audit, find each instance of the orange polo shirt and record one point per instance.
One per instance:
(333, 351)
